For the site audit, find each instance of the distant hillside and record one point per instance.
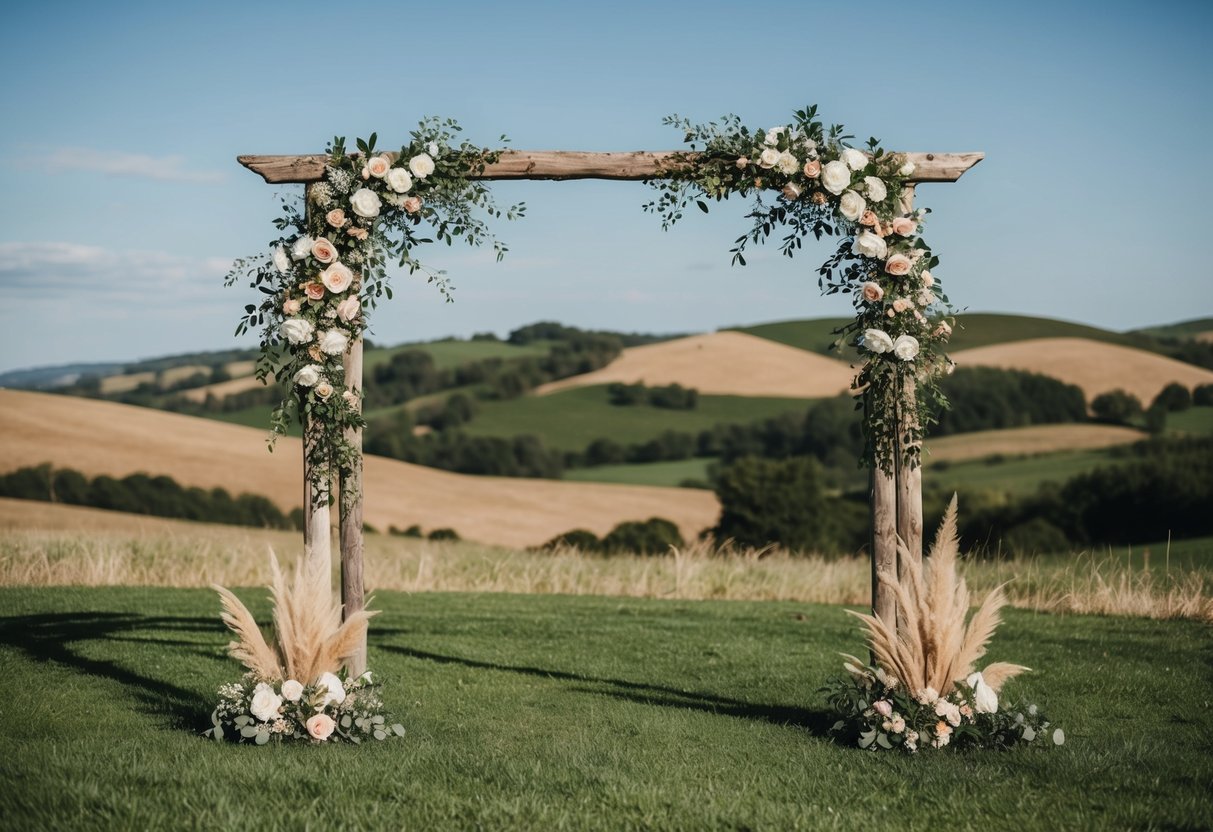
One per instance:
(1200, 328)
(98, 437)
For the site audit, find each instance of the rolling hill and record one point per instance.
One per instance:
(97, 437)
(721, 363)
(1096, 367)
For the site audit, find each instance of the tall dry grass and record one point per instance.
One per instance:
(198, 556)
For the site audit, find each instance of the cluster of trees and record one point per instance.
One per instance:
(987, 398)
(654, 536)
(144, 494)
(1122, 408)
(454, 450)
(669, 397)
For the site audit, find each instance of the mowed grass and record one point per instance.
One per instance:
(975, 329)
(571, 419)
(645, 473)
(550, 712)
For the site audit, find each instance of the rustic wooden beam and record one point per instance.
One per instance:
(884, 544)
(576, 164)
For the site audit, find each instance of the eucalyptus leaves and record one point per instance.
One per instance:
(817, 184)
(329, 267)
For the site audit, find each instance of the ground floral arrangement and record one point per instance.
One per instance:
(923, 690)
(821, 185)
(311, 642)
(329, 268)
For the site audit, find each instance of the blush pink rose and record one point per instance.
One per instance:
(872, 292)
(898, 265)
(349, 309)
(290, 306)
(883, 707)
(357, 232)
(904, 226)
(337, 277)
(335, 218)
(314, 291)
(812, 168)
(320, 727)
(742, 162)
(378, 166)
(412, 204)
(928, 280)
(869, 219)
(324, 389)
(943, 330)
(323, 250)
(901, 305)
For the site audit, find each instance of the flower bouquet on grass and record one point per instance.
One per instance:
(924, 690)
(297, 689)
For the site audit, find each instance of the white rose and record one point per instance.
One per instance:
(787, 163)
(772, 138)
(297, 330)
(905, 347)
(292, 690)
(308, 376)
(334, 341)
(877, 340)
(876, 188)
(835, 177)
(282, 260)
(907, 169)
(985, 700)
(398, 180)
(855, 159)
(769, 158)
(265, 702)
(871, 245)
(302, 247)
(432, 147)
(366, 203)
(852, 206)
(334, 692)
(337, 278)
(422, 165)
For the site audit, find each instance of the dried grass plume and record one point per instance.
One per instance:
(310, 638)
(933, 645)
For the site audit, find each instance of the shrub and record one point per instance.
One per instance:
(1173, 398)
(443, 534)
(583, 540)
(1116, 406)
(654, 536)
(1035, 536)
(1202, 395)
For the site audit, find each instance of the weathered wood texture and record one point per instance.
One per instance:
(575, 164)
(352, 594)
(884, 545)
(909, 480)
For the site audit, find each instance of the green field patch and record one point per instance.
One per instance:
(1194, 420)
(669, 474)
(590, 713)
(571, 419)
(452, 353)
(1016, 476)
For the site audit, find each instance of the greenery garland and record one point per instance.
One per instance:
(328, 269)
(822, 186)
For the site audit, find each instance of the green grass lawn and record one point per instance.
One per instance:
(645, 473)
(976, 329)
(1194, 420)
(1015, 475)
(571, 419)
(556, 712)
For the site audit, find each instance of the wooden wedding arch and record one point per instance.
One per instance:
(896, 498)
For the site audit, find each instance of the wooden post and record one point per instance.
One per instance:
(351, 516)
(317, 519)
(884, 544)
(909, 480)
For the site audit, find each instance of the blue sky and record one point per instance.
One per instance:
(123, 204)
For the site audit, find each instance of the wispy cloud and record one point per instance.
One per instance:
(58, 269)
(118, 163)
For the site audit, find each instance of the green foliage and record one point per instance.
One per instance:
(582, 540)
(1116, 407)
(1202, 395)
(140, 493)
(670, 396)
(1173, 398)
(988, 398)
(443, 534)
(654, 536)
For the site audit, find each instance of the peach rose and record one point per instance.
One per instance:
(378, 166)
(883, 707)
(927, 280)
(290, 306)
(889, 312)
(323, 250)
(366, 173)
(742, 162)
(314, 291)
(901, 305)
(944, 330)
(335, 218)
(904, 226)
(812, 168)
(324, 390)
(357, 232)
(320, 727)
(412, 204)
(337, 277)
(898, 265)
(315, 352)
(868, 218)
(350, 398)
(872, 292)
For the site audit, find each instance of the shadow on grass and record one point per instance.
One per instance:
(814, 722)
(53, 637)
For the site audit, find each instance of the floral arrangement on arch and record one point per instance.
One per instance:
(923, 690)
(328, 269)
(821, 185)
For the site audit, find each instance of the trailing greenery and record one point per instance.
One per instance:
(141, 493)
(559, 712)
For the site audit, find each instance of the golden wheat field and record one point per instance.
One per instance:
(1036, 439)
(722, 363)
(1094, 366)
(97, 437)
(43, 544)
